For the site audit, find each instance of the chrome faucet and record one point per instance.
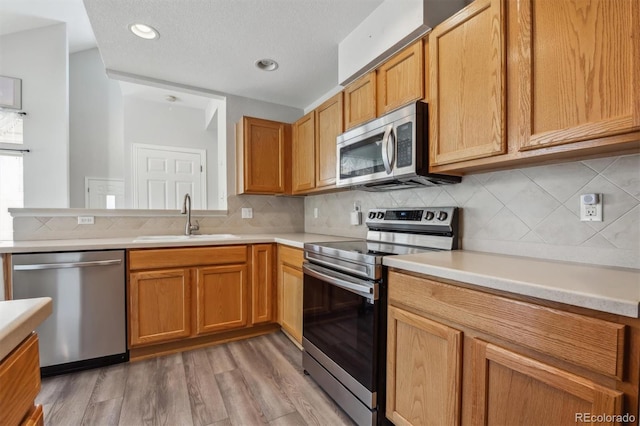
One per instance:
(186, 209)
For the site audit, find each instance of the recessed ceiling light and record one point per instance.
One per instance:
(144, 31)
(267, 64)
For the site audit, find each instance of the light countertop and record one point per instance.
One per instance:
(606, 289)
(18, 318)
(294, 240)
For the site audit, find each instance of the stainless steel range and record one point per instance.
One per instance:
(345, 303)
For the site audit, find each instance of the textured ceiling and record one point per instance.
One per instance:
(213, 44)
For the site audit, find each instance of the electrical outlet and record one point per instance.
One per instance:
(591, 207)
(315, 212)
(247, 213)
(86, 220)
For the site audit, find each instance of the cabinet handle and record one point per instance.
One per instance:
(42, 266)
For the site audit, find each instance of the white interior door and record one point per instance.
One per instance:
(162, 175)
(103, 193)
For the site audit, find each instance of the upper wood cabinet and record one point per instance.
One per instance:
(329, 125)
(467, 107)
(526, 81)
(262, 156)
(400, 79)
(578, 68)
(303, 176)
(397, 82)
(314, 147)
(360, 101)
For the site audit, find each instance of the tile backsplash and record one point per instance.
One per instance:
(270, 215)
(529, 212)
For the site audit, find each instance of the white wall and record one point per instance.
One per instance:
(40, 58)
(96, 145)
(169, 124)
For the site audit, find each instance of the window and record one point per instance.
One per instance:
(11, 169)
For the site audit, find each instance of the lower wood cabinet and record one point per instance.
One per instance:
(511, 389)
(456, 355)
(290, 284)
(423, 370)
(160, 307)
(262, 283)
(187, 293)
(221, 298)
(20, 384)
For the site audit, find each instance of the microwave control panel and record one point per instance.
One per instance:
(404, 137)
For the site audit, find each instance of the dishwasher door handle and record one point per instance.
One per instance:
(43, 266)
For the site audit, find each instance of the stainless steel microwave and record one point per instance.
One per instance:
(390, 152)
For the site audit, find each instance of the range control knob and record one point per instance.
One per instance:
(442, 216)
(429, 216)
(372, 215)
(380, 215)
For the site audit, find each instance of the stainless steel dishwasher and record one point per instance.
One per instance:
(88, 326)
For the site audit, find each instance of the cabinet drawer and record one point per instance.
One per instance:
(291, 256)
(185, 257)
(19, 381)
(589, 342)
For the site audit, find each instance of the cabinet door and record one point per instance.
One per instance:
(262, 284)
(423, 370)
(292, 282)
(508, 388)
(579, 70)
(19, 381)
(221, 298)
(400, 79)
(261, 150)
(160, 306)
(360, 100)
(467, 63)
(304, 145)
(36, 417)
(329, 125)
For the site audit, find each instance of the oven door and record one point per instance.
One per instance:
(341, 320)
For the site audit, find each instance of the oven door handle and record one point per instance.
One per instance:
(367, 291)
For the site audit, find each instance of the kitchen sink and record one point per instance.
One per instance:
(168, 238)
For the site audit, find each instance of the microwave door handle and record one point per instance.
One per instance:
(385, 149)
(391, 155)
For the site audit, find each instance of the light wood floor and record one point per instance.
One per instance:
(251, 382)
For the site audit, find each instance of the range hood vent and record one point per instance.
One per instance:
(391, 26)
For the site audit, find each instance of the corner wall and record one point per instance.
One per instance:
(96, 145)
